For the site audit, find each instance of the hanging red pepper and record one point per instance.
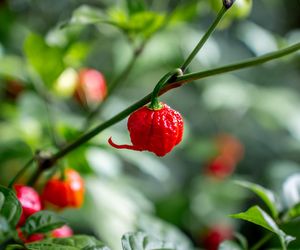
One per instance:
(156, 128)
(157, 131)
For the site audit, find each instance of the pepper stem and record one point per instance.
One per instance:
(155, 104)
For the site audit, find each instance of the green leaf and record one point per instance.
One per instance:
(45, 60)
(85, 15)
(266, 195)
(142, 241)
(164, 232)
(229, 245)
(293, 212)
(42, 222)
(259, 217)
(76, 242)
(143, 24)
(13, 67)
(10, 207)
(135, 6)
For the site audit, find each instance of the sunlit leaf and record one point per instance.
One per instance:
(266, 195)
(259, 217)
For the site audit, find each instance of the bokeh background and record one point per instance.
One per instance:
(256, 111)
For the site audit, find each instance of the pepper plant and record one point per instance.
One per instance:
(54, 67)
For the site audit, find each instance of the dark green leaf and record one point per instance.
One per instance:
(142, 241)
(10, 207)
(14, 247)
(259, 217)
(46, 61)
(294, 212)
(229, 245)
(135, 6)
(42, 222)
(164, 232)
(266, 195)
(76, 242)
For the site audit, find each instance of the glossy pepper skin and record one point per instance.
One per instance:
(65, 193)
(154, 130)
(30, 201)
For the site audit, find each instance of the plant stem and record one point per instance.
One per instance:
(203, 39)
(178, 82)
(21, 172)
(262, 241)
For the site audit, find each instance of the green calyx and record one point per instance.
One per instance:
(155, 105)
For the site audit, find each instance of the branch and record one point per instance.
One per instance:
(178, 82)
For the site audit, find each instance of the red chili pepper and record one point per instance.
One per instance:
(216, 235)
(68, 192)
(154, 130)
(62, 232)
(30, 201)
(221, 167)
(91, 88)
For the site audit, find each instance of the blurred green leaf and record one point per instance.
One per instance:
(142, 241)
(76, 54)
(10, 207)
(229, 245)
(259, 217)
(135, 6)
(42, 222)
(266, 195)
(144, 23)
(13, 67)
(185, 12)
(76, 242)
(164, 232)
(291, 190)
(46, 61)
(87, 15)
(293, 212)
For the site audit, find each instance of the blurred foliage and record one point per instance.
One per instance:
(132, 191)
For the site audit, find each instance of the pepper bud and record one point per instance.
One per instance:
(154, 130)
(228, 3)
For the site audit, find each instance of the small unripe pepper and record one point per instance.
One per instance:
(91, 88)
(30, 201)
(65, 192)
(155, 130)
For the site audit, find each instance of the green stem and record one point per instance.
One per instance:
(162, 82)
(203, 39)
(179, 81)
(262, 241)
(21, 172)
